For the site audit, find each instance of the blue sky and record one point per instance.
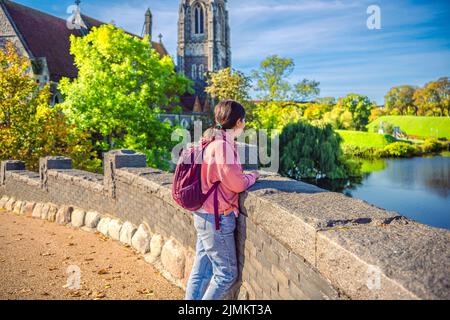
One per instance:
(328, 39)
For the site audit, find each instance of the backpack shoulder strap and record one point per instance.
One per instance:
(214, 189)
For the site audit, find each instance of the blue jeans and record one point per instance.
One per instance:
(215, 267)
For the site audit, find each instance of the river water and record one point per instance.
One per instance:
(418, 188)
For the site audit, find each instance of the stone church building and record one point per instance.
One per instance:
(203, 42)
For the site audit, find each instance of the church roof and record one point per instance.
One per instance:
(188, 101)
(47, 36)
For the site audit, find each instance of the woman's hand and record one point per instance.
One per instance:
(257, 174)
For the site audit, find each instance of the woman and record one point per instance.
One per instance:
(215, 269)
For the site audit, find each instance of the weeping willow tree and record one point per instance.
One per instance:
(308, 151)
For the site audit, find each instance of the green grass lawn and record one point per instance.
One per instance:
(418, 126)
(365, 139)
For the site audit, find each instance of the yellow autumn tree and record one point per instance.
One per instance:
(29, 127)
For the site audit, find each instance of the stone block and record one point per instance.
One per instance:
(77, 218)
(92, 219)
(3, 202)
(9, 165)
(401, 260)
(37, 210)
(127, 232)
(114, 228)
(156, 245)
(52, 212)
(9, 206)
(18, 206)
(56, 162)
(141, 239)
(173, 258)
(27, 209)
(45, 210)
(63, 215)
(103, 225)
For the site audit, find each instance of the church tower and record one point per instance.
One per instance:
(203, 40)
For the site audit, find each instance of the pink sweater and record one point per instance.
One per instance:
(221, 163)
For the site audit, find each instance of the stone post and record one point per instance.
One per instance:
(49, 163)
(117, 159)
(9, 165)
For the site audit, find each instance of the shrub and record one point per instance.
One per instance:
(399, 149)
(308, 151)
(432, 145)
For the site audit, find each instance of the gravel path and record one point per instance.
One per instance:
(35, 256)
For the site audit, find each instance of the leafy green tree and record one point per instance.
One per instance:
(229, 84)
(29, 127)
(306, 90)
(122, 84)
(339, 118)
(315, 111)
(360, 108)
(271, 83)
(275, 115)
(434, 98)
(308, 151)
(400, 101)
(377, 112)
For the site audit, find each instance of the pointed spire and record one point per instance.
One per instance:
(148, 24)
(207, 106)
(197, 105)
(160, 36)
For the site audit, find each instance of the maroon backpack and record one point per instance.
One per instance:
(187, 186)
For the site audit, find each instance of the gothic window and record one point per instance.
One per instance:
(199, 19)
(194, 71)
(201, 71)
(222, 23)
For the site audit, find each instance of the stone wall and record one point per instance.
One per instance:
(294, 240)
(8, 32)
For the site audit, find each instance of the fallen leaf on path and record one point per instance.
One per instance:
(47, 254)
(146, 292)
(102, 271)
(99, 295)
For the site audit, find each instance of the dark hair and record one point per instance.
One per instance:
(227, 113)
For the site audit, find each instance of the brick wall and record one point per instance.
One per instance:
(294, 240)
